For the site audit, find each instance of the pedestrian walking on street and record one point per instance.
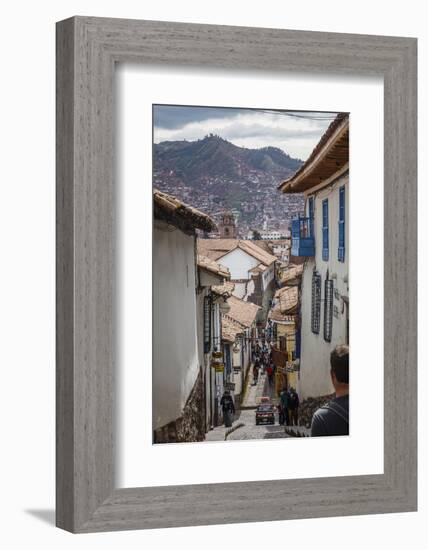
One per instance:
(262, 364)
(228, 407)
(256, 353)
(255, 373)
(269, 372)
(293, 407)
(267, 358)
(283, 399)
(333, 418)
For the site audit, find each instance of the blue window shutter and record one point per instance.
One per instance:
(311, 215)
(341, 249)
(325, 229)
(295, 229)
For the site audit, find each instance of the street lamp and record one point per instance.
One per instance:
(224, 307)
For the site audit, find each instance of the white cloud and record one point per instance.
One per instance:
(296, 136)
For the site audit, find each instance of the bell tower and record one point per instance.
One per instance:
(227, 227)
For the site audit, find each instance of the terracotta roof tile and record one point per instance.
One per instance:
(242, 312)
(230, 329)
(288, 298)
(255, 251)
(258, 269)
(276, 315)
(263, 244)
(172, 210)
(213, 267)
(292, 272)
(225, 289)
(217, 248)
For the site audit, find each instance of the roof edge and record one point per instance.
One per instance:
(334, 132)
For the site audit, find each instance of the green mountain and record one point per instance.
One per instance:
(212, 157)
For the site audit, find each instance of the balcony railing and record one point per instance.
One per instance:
(302, 237)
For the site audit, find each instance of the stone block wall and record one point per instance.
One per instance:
(190, 427)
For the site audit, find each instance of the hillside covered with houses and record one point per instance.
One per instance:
(212, 174)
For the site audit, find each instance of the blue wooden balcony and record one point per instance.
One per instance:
(302, 237)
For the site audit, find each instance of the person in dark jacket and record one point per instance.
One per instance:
(255, 373)
(333, 418)
(228, 407)
(293, 407)
(269, 372)
(283, 399)
(282, 407)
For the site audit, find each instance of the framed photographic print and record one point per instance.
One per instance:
(223, 194)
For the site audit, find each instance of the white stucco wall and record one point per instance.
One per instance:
(249, 289)
(315, 351)
(236, 358)
(175, 354)
(268, 276)
(238, 376)
(239, 263)
(242, 359)
(240, 290)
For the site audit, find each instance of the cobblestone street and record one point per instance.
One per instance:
(251, 431)
(244, 426)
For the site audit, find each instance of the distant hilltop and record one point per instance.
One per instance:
(213, 174)
(215, 157)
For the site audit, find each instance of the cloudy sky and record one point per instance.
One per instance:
(295, 132)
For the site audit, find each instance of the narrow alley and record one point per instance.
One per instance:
(244, 425)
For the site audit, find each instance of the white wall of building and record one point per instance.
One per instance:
(241, 358)
(315, 351)
(175, 353)
(238, 376)
(236, 358)
(268, 276)
(273, 235)
(239, 263)
(241, 290)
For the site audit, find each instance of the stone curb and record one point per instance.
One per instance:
(231, 430)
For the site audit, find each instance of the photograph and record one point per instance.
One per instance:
(250, 274)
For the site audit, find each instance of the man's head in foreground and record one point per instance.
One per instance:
(339, 362)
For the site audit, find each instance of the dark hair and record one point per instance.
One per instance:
(339, 361)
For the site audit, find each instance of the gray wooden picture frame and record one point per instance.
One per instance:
(87, 50)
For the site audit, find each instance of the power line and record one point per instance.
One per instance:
(303, 116)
